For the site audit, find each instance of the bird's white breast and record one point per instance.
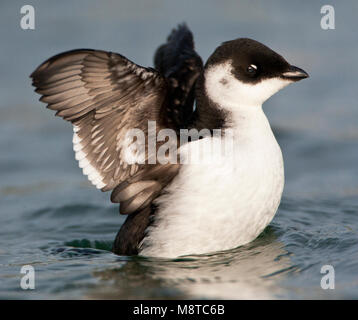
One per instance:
(223, 204)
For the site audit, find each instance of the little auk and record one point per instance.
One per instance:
(176, 208)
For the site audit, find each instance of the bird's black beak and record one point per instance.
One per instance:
(294, 74)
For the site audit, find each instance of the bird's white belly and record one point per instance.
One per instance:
(220, 205)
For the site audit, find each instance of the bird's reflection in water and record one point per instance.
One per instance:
(249, 272)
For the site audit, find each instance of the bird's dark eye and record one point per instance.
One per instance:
(251, 69)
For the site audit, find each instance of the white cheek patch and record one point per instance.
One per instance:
(227, 91)
(267, 88)
(91, 172)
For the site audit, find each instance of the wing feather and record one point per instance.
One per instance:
(103, 95)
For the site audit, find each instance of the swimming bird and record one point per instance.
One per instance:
(176, 208)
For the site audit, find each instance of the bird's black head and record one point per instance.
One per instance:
(253, 62)
(248, 72)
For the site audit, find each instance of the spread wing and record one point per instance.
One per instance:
(178, 61)
(104, 95)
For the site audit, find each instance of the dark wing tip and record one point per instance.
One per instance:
(178, 61)
(54, 60)
(180, 39)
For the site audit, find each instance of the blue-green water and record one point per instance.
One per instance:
(51, 218)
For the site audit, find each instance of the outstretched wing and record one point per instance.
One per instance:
(178, 61)
(104, 95)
